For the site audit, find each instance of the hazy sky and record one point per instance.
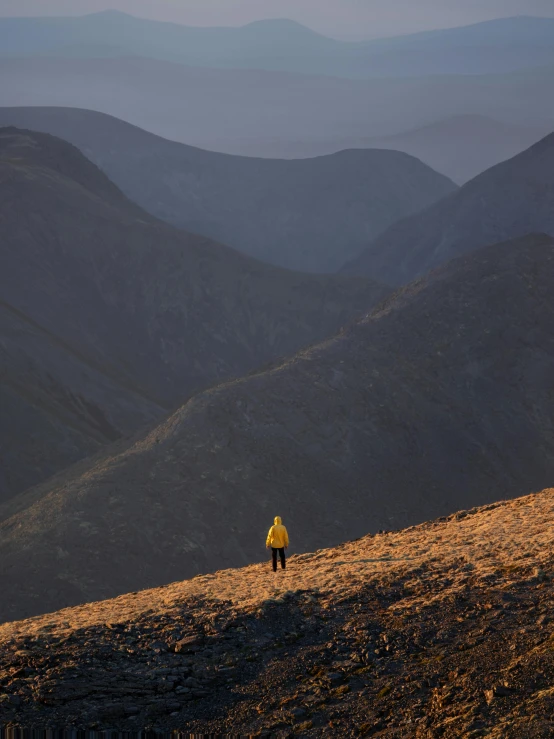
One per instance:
(364, 18)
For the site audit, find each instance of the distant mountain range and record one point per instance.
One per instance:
(464, 146)
(438, 399)
(245, 111)
(110, 318)
(311, 215)
(497, 46)
(505, 202)
(461, 147)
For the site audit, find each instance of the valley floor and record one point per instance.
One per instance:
(440, 630)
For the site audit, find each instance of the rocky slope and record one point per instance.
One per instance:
(311, 215)
(505, 202)
(439, 399)
(443, 629)
(111, 318)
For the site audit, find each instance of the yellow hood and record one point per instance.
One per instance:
(277, 520)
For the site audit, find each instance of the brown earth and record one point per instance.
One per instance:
(440, 630)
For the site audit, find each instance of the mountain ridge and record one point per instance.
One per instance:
(506, 201)
(309, 215)
(115, 317)
(497, 142)
(519, 42)
(405, 415)
(460, 146)
(224, 109)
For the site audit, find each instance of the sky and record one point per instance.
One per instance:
(341, 18)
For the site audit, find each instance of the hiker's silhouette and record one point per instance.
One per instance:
(278, 540)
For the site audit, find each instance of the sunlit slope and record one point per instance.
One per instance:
(440, 628)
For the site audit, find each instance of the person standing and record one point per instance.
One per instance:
(278, 540)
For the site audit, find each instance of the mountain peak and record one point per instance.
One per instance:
(110, 13)
(44, 150)
(280, 25)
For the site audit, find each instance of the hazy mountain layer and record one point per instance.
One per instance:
(222, 109)
(460, 147)
(497, 46)
(110, 317)
(440, 398)
(505, 202)
(464, 146)
(440, 629)
(310, 215)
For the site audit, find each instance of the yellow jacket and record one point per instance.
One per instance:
(278, 536)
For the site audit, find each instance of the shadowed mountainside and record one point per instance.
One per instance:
(502, 45)
(505, 202)
(58, 405)
(441, 398)
(109, 318)
(441, 629)
(311, 215)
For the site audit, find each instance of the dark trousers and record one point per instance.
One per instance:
(281, 555)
